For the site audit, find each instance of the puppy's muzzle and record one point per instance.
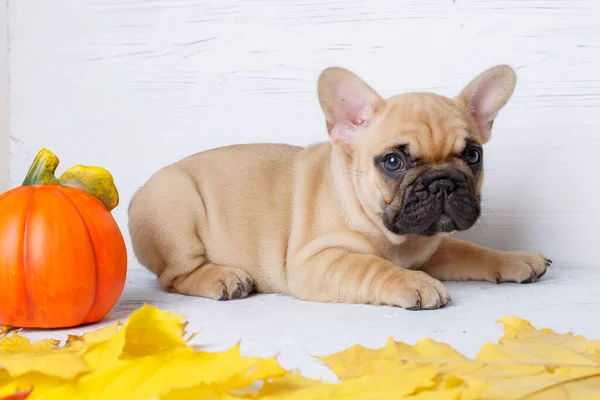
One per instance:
(439, 200)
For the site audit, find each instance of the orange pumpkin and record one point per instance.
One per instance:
(63, 260)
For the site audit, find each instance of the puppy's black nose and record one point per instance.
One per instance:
(446, 186)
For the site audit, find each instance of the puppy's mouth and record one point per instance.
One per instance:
(443, 224)
(439, 200)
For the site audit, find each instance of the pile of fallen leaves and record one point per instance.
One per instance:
(148, 357)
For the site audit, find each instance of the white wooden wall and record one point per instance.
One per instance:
(135, 84)
(4, 111)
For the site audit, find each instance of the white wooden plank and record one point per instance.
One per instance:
(4, 109)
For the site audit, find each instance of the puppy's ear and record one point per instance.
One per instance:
(348, 103)
(486, 95)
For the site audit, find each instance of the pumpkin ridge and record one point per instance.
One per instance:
(89, 237)
(27, 307)
(10, 192)
(6, 194)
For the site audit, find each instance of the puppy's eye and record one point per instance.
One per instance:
(473, 155)
(393, 162)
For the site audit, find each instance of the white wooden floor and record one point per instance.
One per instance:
(566, 299)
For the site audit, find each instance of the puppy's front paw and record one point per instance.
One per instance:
(414, 290)
(521, 267)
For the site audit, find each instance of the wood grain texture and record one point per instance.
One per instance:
(133, 85)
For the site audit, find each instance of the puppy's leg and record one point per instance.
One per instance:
(163, 222)
(464, 261)
(189, 272)
(337, 275)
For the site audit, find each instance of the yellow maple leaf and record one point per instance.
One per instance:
(525, 362)
(539, 363)
(289, 383)
(89, 339)
(394, 357)
(117, 363)
(381, 386)
(522, 341)
(148, 358)
(19, 356)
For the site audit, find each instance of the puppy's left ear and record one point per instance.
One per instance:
(486, 95)
(349, 105)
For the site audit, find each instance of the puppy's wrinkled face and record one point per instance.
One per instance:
(419, 156)
(426, 164)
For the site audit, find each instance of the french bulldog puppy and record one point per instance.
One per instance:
(365, 217)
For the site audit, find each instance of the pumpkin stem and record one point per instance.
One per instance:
(42, 169)
(95, 181)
